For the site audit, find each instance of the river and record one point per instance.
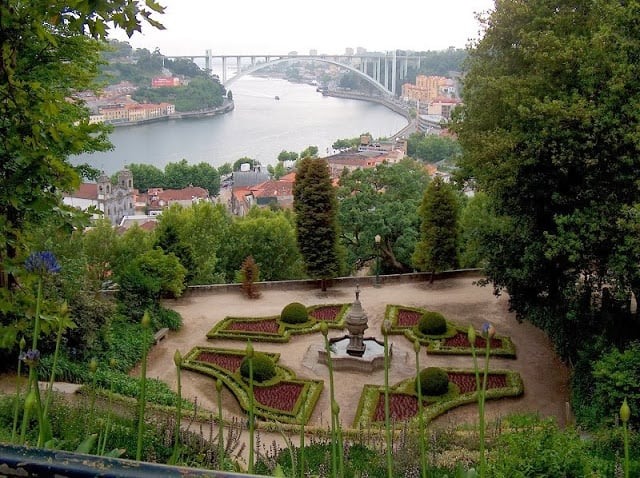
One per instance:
(260, 127)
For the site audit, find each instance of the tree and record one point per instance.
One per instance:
(249, 275)
(200, 93)
(270, 238)
(476, 219)
(381, 201)
(287, 156)
(550, 132)
(346, 143)
(309, 151)
(48, 52)
(315, 205)
(146, 279)
(206, 176)
(437, 249)
(277, 171)
(432, 148)
(168, 240)
(225, 169)
(146, 176)
(239, 162)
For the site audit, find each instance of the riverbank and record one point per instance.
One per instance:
(226, 107)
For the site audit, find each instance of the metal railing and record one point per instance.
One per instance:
(20, 461)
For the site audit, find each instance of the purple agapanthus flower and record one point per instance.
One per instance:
(42, 262)
(488, 330)
(30, 357)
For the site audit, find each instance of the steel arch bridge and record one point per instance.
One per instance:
(380, 69)
(259, 66)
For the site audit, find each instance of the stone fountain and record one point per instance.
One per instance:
(354, 351)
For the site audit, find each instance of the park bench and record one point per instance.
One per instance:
(160, 334)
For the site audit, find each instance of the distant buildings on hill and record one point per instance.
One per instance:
(435, 97)
(123, 205)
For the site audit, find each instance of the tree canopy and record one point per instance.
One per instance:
(48, 52)
(549, 129)
(437, 249)
(176, 176)
(315, 205)
(381, 201)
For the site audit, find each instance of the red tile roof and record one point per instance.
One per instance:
(185, 194)
(85, 191)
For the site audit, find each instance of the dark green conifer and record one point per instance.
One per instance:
(436, 251)
(315, 204)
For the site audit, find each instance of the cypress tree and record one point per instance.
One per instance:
(436, 251)
(315, 204)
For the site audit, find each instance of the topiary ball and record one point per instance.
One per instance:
(294, 313)
(263, 368)
(433, 381)
(432, 323)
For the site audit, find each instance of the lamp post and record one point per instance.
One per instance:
(377, 239)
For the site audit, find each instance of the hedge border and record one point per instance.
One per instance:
(434, 343)
(285, 331)
(310, 392)
(438, 405)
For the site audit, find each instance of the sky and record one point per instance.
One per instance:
(241, 27)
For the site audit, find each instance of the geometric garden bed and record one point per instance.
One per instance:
(404, 320)
(272, 329)
(403, 398)
(284, 398)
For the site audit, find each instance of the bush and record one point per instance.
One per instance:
(615, 377)
(263, 368)
(544, 450)
(432, 323)
(433, 381)
(163, 317)
(294, 313)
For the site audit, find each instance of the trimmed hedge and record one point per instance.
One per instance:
(434, 406)
(294, 313)
(263, 368)
(432, 323)
(240, 388)
(433, 381)
(437, 344)
(224, 329)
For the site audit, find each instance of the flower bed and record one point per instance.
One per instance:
(326, 313)
(272, 329)
(267, 326)
(279, 399)
(404, 320)
(281, 396)
(403, 400)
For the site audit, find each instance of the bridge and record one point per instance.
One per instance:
(382, 70)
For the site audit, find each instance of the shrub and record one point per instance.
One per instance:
(615, 377)
(433, 381)
(294, 313)
(263, 368)
(249, 275)
(432, 323)
(163, 317)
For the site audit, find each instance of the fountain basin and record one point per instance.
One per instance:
(372, 359)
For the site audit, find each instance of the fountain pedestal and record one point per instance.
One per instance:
(354, 351)
(357, 323)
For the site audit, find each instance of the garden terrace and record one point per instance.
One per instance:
(458, 299)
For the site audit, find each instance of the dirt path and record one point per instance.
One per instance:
(460, 300)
